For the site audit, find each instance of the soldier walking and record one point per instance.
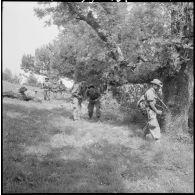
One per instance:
(151, 97)
(54, 88)
(46, 87)
(78, 92)
(93, 96)
(62, 87)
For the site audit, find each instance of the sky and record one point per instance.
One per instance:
(22, 32)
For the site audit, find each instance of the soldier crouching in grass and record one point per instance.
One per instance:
(93, 96)
(21, 95)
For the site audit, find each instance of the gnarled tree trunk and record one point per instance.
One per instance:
(178, 90)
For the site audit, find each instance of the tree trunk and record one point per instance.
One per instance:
(177, 95)
(178, 90)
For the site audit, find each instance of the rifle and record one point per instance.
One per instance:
(162, 103)
(145, 127)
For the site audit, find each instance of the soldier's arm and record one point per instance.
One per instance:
(99, 96)
(86, 95)
(150, 97)
(154, 108)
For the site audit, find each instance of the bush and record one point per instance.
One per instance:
(7, 75)
(122, 105)
(15, 80)
(32, 81)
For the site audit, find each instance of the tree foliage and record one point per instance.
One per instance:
(27, 63)
(142, 36)
(7, 75)
(120, 43)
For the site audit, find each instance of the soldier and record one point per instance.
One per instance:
(93, 95)
(46, 87)
(78, 92)
(55, 89)
(152, 112)
(62, 87)
(21, 95)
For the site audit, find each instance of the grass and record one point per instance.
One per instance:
(44, 150)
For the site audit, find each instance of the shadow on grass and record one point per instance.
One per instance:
(99, 167)
(31, 121)
(36, 114)
(135, 121)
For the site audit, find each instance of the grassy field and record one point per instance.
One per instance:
(44, 150)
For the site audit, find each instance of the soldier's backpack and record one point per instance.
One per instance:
(142, 104)
(76, 91)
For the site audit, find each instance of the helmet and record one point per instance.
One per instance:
(22, 89)
(157, 82)
(91, 86)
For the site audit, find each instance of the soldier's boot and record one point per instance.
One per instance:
(90, 109)
(90, 114)
(98, 112)
(75, 114)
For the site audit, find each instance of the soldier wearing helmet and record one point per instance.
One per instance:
(151, 97)
(93, 96)
(21, 95)
(46, 87)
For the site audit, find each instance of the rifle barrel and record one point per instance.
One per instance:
(163, 103)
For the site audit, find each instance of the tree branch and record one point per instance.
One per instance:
(103, 34)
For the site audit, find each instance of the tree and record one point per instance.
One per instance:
(7, 75)
(43, 59)
(16, 79)
(160, 41)
(32, 81)
(27, 63)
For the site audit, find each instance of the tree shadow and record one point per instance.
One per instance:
(100, 168)
(96, 168)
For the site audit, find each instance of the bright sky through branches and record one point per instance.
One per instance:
(22, 32)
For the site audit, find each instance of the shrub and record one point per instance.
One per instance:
(7, 75)
(32, 81)
(15, 80)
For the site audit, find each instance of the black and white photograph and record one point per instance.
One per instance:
(97, 97)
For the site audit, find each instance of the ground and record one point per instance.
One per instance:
(44, 150)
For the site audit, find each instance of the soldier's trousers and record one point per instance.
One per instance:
(46, 95)
(76, 105)
(91, 106)
(153, 125)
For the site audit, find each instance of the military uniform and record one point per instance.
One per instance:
(55, 89)
(76, 101)
(62, 87)
(152, 125)
(93, 95)
(46, 88)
